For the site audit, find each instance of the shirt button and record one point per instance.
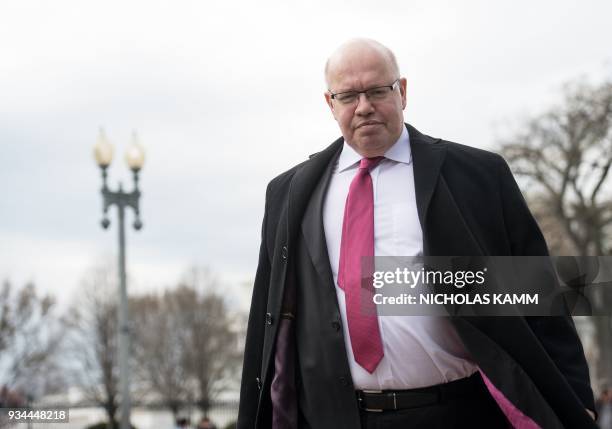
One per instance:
(336, 325)
(269, 319)
(344, 381)
(285, 252)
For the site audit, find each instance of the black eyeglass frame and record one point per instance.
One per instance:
(390, 86)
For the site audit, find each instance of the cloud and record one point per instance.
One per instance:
(225, 96)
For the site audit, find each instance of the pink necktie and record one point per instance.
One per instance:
(357, 242)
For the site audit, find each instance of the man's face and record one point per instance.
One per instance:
(369, 126)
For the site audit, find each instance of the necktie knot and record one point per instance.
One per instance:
(369, 163)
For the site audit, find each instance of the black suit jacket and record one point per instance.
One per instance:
(468, 204)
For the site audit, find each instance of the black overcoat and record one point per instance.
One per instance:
(468, 204)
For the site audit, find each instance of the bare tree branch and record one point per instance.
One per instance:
(567, 154)
(29, 340)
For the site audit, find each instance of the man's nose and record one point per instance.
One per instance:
(364, 106)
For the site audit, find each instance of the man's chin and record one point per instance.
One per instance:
(373, 146)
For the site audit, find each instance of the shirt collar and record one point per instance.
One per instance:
(399, 152)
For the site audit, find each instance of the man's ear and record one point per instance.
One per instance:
(330, 103)
(402, 88)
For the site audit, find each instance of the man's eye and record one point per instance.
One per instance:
(377, 92)
(347, 97)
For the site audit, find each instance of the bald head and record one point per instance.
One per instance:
(353, 51)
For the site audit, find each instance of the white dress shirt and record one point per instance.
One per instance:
(418, 350)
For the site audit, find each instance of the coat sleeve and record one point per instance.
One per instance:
(250, 383)
(557, 334)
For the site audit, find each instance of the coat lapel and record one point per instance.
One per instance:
(427, 156)
(303, 185)
(313, 231)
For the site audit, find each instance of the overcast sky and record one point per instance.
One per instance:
(225, 96)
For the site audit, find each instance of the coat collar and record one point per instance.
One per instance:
(427, 154)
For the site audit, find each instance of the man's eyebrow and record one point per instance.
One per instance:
(345, 90)
(378, 85)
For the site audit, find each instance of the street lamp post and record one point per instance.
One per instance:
(103, 152)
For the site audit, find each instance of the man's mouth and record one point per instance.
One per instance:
(369, 124)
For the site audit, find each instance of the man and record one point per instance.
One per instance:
(314, 359)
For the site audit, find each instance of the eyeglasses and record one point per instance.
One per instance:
(372, 94)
